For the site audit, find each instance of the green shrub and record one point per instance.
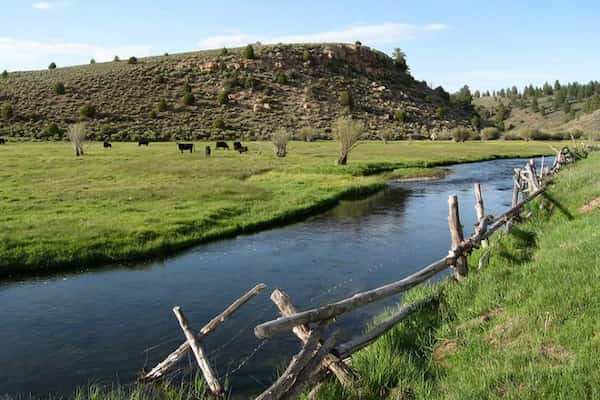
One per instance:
(346, 99)
(52, 65)
(52, 131)
(189, 99)
(5, 74)
(92, 61)
(461, 134)
(162, 105)
(223, 98)
(116, 59)
(224, 51)
(59, 88)
(153, 114)
(281, 78)
(87, 111)
(306, 55)
(6, 111)
(358, 43)
(440, 112)
(307, 134)
(132, 60)
(249, 82)
(218, 123)
(248, 52)
(400, 116)
(489, 133)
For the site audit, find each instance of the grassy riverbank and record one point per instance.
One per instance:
(58, 211)
(526, 327)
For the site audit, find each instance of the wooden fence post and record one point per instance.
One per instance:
(479, 208)
(456, 233)
(203, 363)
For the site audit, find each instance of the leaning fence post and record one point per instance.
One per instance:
(203, 363)
(457, 235)
(479, 208)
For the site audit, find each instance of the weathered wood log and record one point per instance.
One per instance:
(333, 310)
(355, 344)
(479, 207)
(164, 366)
(342, 372)
(207, 371)
(295, 367)
(461, 269)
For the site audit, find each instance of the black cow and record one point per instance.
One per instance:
(222, 145)
(185, 146)
(237, 145)
(2, 140)
(107, 145)
(243, 149)
(207, 151)
(144, 142)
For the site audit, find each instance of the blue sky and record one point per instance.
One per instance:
(487, 44)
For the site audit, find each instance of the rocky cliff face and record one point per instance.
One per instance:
(284, 86)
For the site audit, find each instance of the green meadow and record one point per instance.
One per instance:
(58, 211)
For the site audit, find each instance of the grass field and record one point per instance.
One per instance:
(526, 327)
(58, 211)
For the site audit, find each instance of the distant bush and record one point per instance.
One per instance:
(358, 43)
(189, 99)
(400, 116)
(526, 133)
(87, 111)
(281, 78)
(218, 123)
(132, 60)
(116, 59)
(440, 112)
(489, 133)
(52, 65)
(224, 51)
(223, 97)
(346, 99)
(280, 139)
(162, 105)
(249, 82)
(461, 134)
(153, 114)
(52, 131)
(92, 61)
(59, 88)
(4, 74)
(307, 134)
(248, 52)
(306, 55)
(6, 111)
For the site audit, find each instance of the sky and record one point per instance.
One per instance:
(485, 44)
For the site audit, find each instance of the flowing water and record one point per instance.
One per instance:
(59, 332)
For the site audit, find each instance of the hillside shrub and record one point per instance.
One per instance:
(347, 132)
(162, 105)
(87, 111)
(189, 99)
(490, 133)
(4, 74)
(440, 112)
(223, 97)
(52, 131)
(281, 78)
(218, 123)
(306, 55)
(92, 61)
(52, 65)
(400, 116)
(248, 52)
(132, 60)
(346, 99)
(6, 111)
(59, 88)
(249, 83)
(224, 51)
(116, 59)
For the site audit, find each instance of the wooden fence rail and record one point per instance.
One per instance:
(320, 355)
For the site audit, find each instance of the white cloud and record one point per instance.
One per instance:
(435, 27)
(18, 54)
(42, 5)
(380, 34)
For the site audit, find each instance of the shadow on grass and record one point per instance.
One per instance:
(563, 210)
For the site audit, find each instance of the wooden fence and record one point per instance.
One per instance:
(321, 355)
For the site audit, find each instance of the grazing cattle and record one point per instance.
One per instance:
(207, 151)
(222, 145)
(143, 141)
(237, 145)
(2, 140)
(107, 145)
(243, 149)
(185, 146)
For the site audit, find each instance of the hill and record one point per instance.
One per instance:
(226, 94)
